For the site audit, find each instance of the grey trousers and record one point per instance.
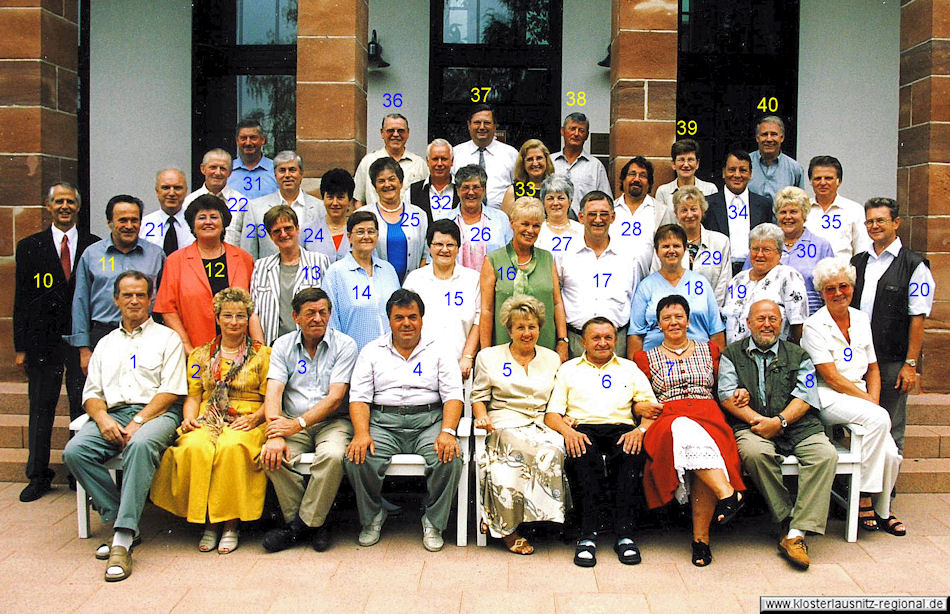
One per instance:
(894, 401)
(327, 440)
(817, 458)
(86, 453)
(410, 434)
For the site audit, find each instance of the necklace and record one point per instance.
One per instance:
(525, 263)
(566, 224)
(398, 207)
(678, 351)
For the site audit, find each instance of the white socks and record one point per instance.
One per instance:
(122, 537)
(793, 533)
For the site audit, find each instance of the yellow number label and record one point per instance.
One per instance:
(525, 188)
(111, 262)
(686, 127)
(47, 280)
(576, 99)
(768, 104)
(218, 269)
(480, 94)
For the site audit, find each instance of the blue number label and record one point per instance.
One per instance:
(697, 288)
(740, 292)
(458, 298)
(630, 231)
(510, 273)
(605, 381)
(232, 202)
(506, 369)
(392, 100)
(810, 251)
(438, 204)
(708, 258)
(848, 354)
(597, 277)
(557, 245)
(197, 369)
(312, 273)
(737, 213)
(831, 221)
(133, 361)
(480, 234)
(810, 380)
(418, 369)
(406, 220)
(255, 232)
(923, 289)
(301, 366)
(670, 364)
(365, 293)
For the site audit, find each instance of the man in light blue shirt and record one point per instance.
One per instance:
(95, 313)
(586, 172)
(307, 384)
(771, 169)
(253, 174)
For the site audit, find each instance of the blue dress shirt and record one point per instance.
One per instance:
(359, 301)
(253, 183)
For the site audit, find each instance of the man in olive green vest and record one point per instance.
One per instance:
(780, 418)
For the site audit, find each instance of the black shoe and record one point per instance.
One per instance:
(72, 482)
(320, 538)
(276, 540)
(628, 552)
(34, 490)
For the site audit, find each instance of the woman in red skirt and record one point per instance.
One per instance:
(691, 451)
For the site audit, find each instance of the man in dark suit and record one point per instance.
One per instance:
(45, 263)
(436, 195)
(735, 211)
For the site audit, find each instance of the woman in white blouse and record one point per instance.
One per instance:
(559, 234)
(522, 471)
(768, 279)
(838, 339)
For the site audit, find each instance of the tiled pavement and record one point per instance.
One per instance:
(44, 567)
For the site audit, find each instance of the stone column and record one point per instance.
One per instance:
(643, 84)
(331, 84)
(923, 160)
(38, 133)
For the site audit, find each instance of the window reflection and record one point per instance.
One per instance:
(267, 22)
(506, 23)
(272, 100)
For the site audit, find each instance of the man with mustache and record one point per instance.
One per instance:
(637, 214)
(45, 282)
(780, 418)
(395, 135)
(167, 227)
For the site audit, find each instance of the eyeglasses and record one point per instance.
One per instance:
(879, 221)
(762, 250)
(365, 233)
(842, 287)
(441, 246)
(395, 131)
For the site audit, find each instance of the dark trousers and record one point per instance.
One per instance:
(605, 466)
(45, 374)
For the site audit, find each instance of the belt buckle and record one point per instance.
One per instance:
(405, 410)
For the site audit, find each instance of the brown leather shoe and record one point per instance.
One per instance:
(795, 551)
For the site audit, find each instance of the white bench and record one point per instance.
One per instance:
(402, 465)
(849, 463)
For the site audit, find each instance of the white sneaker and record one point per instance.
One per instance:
(431, 536)
(369, 534)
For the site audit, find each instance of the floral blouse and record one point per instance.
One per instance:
(782, 284)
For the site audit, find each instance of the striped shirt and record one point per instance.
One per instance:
(265, 286)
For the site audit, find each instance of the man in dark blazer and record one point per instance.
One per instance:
(45, 263)
(436, 195)
(735, 211)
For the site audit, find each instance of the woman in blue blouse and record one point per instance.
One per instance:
(402, 236)
(705, 322)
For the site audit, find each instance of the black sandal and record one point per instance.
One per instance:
(702, 555)
(627, 551)
(726, 509)
(890, 525)
(868, 522)
(590, 549)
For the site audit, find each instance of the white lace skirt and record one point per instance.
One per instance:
(693, 448)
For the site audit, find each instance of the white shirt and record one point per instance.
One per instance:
(440, 201)
(452, 305)
(825, 343)
(600, 286)
(382, 376)
(635, 229)
(568, 242)
(72, 240)
(842, 225)
(713, 261)
(587, 174)
(131, 368)
(921, 296)
(737, 214)
(311, 214)
(664, 193)
(414, 169)
(237, 205)
(783, 285)
(499, 165)
(155, 225)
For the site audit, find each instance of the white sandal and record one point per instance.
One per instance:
(209, 539)
(228, 543)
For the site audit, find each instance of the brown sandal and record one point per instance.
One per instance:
(518, 545)
(121, 558)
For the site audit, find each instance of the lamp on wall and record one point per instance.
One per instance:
(606, 61)
(375, 52)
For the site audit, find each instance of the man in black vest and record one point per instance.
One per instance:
(895, 288)
(768, 388)
(42, 302)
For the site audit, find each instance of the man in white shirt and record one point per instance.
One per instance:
(638, 215)
(834, 218)
(395, 135)
(136, 377)
(599, 279)
(436, 195)
(288, 169)
(405, 398)
(497, 158)
(685, 156)
(586, 172)
(167, 227)
(216, 169)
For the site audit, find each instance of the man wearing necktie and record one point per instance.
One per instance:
(45, 263)
(167, 227)
(497, 158)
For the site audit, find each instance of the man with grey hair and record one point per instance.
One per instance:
(288, 169)
(771, 169)
(395, 135)
(167, 227)
(436, 195)
(586, 172)
(216, 168)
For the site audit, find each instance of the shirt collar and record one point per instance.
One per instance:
(730, 196)
(752, 348)
(353, 265)
(141, 328)
(72, 234)
(298, 340)
(893, 249)
(613, 361)
(423, 344)
(111, 246)
(265, 163)
(560, 154)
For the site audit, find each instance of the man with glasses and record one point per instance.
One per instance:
(395, 135)
(896, 289)
(638, 215)
(497, 158)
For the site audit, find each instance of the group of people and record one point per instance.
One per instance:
(669, 347)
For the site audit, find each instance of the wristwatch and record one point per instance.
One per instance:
(782, 420)
(138, 419)
(911, 362)
(564, 339)
(642, 429)
(451, 432)
(301, 422)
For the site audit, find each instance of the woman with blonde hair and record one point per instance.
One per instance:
(532, 166)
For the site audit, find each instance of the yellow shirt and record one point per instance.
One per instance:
(599, 395)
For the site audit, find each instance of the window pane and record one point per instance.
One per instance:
(509, 86)
(272, 100)
(506, 23)
(267, 22)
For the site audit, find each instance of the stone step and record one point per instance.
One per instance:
(928, 409)
(927, 441)
(14, 431)
(14, 400)
(924, 475)
(13, 462)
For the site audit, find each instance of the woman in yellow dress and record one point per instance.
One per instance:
(212, 474)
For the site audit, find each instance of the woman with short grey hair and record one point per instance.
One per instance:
(767, 279)
(559, 234)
